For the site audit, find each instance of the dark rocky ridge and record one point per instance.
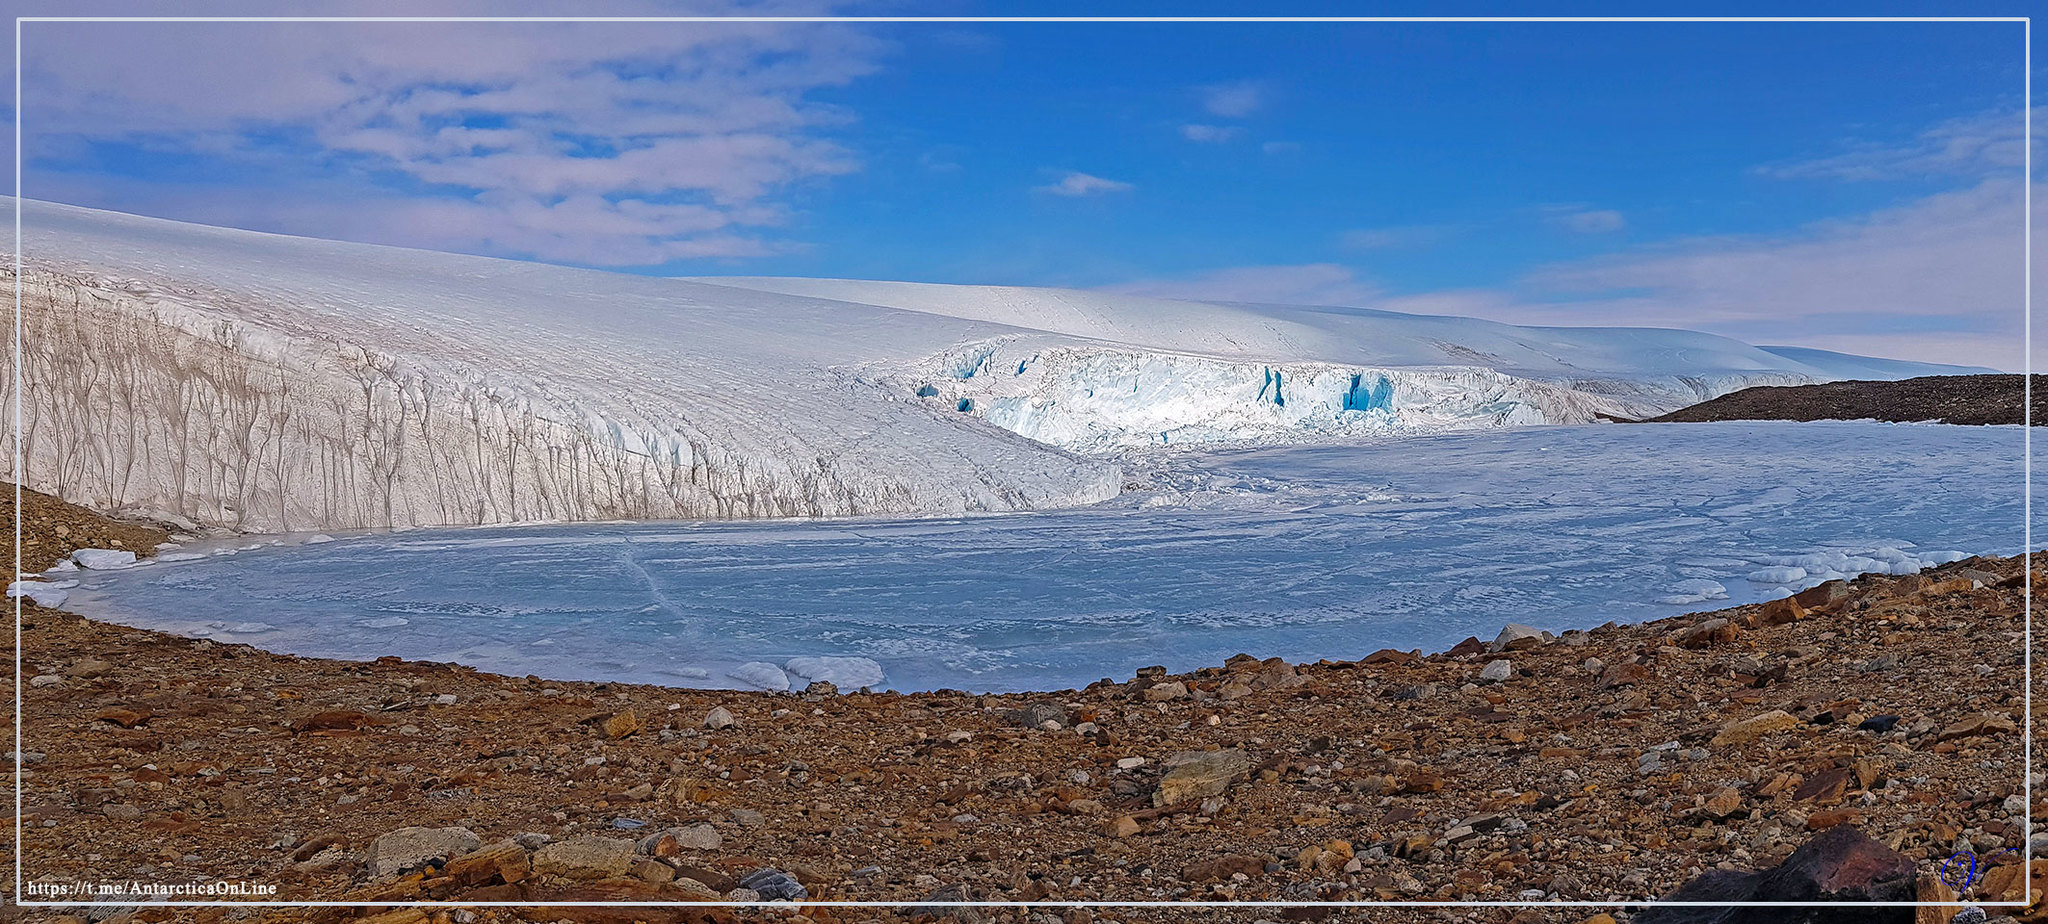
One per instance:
(1954, 399)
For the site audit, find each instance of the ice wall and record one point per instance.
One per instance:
(1098, 398)
(225, 414)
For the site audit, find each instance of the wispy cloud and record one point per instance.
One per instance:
(1384, 238)
(581, 142)
(1972, 146)
(1083, 184)
(1305, 284)
(1233, 100)
(1210, 134)
(1582, 220)
(1939, 278)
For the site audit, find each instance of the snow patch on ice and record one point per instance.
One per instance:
(104, 559)
(1681, 593)
(43, 593)
(844, 673)
(1783, 575)
(383, 622)
(760, 675)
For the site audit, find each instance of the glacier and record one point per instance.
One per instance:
(1304, 552)
(267, 383)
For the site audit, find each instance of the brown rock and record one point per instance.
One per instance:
(652, 870)
(1930, 890)
(333, 720)
(1707, 634)
(1222, 868)
(1422, 780)
(1744, 731)
(1200, 774)
(126, 718)
(501, 862)
(1821, 821)
(1780, 612)
(621, 725)
(1723, 803)
(2007, 883)
(1975, 725)
(1825, 597)
(1123, 826)
(1624, 675)
(1825, 787)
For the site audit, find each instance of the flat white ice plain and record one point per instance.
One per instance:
(1304, 552)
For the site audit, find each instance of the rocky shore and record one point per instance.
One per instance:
(1871, 724)
(1951, 399)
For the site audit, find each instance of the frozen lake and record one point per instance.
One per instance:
(1304, 552)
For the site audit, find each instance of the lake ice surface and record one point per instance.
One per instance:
(1304, 552)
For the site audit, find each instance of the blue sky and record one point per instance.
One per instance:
(1847, 186)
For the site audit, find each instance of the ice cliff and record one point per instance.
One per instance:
(264, 382)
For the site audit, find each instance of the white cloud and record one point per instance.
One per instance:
(1978, 145)
(612, 143)
(1939, 279)
(1383, 238)
(1306, 284)
(1211, 134)
(1233, 100)
(1082, 184)
(1587, 221)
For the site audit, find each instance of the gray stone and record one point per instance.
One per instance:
(1037, 714)
(748, 818)
(1516, 637)
(585, 858)
(719, 717)
(774, 885)
(698, 837)
(1161, 692)
(411, 848)
(1496, 671)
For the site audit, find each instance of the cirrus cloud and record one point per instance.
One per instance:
(1076, 184)
(599, 143)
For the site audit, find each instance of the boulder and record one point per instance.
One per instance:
(412, 848)
(1516, 637)
(1840, 869)
(674, 841)
(774, 885)
(1200, 774)
(584, 858)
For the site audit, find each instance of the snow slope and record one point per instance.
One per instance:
(1148, 371)
(266, 382)
(1850, 366)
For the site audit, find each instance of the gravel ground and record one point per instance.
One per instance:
(1606, 765)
